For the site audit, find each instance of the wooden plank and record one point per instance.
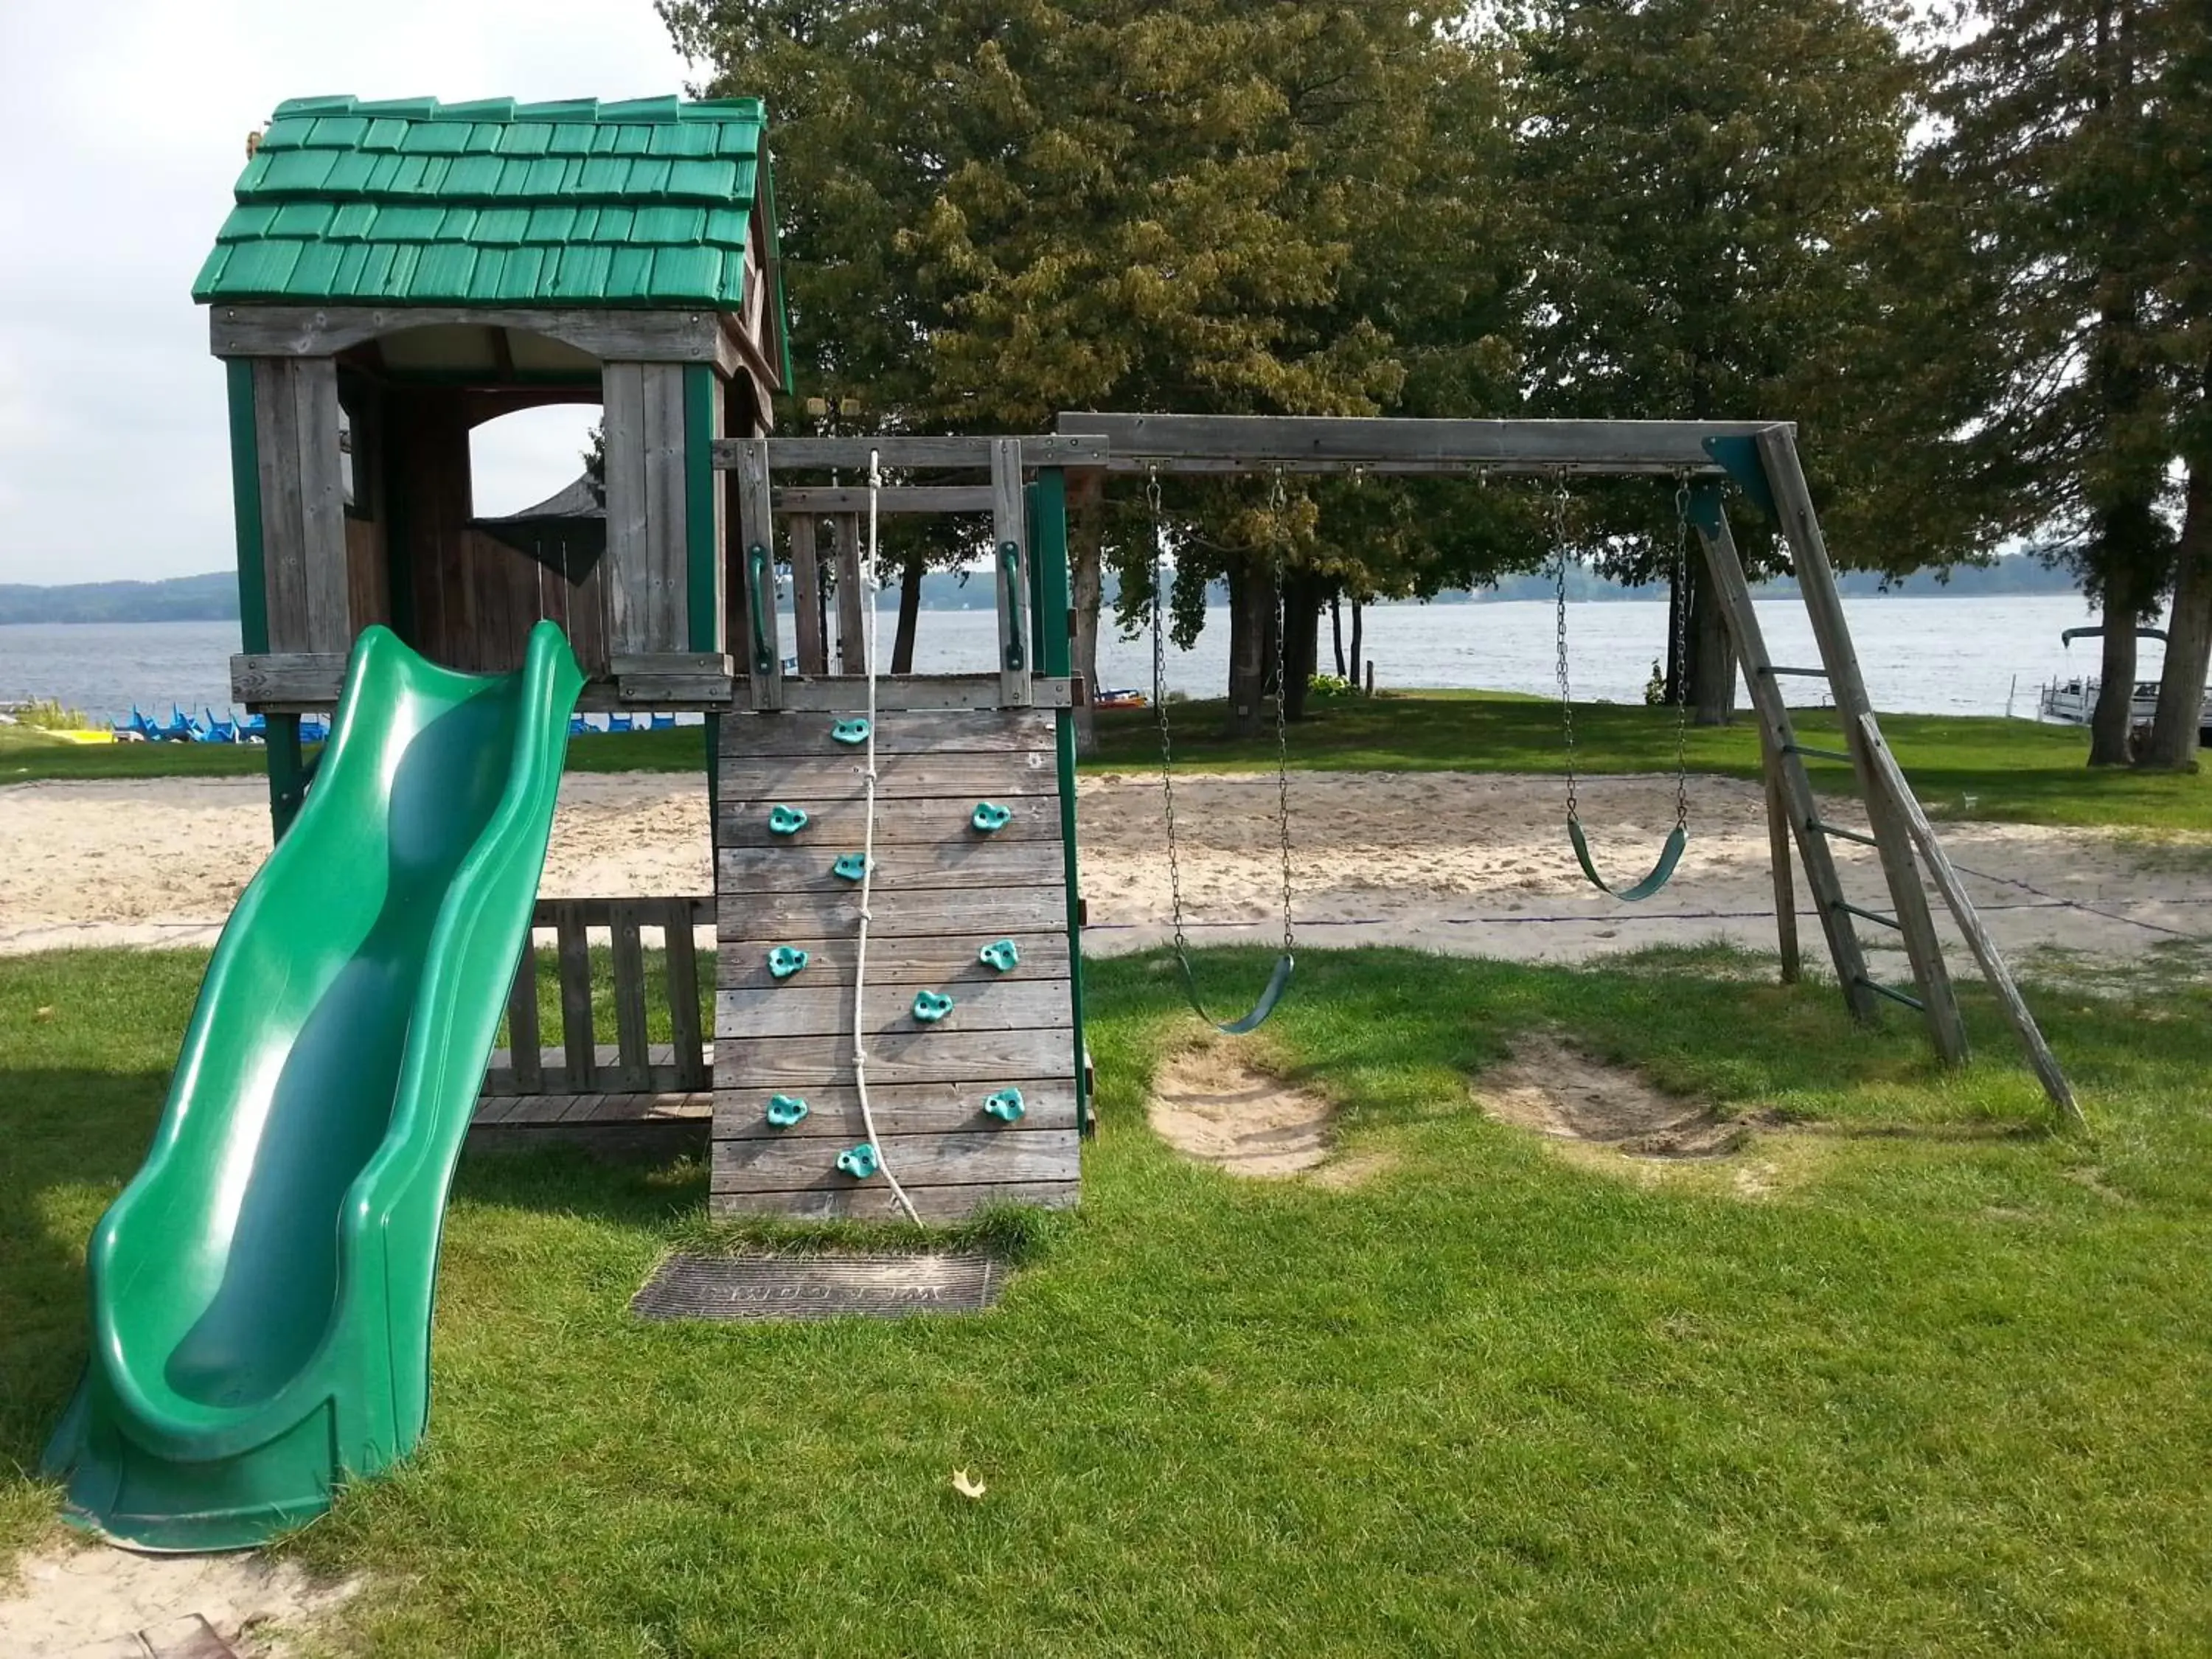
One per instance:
(947, 962)
(1778, 853)
(612, 335)
(627, 554)
(665, 577)
(283, 552)
(628, 958)
(1726, 567)
(925, 1056)
(324, 568)
(1816, 584)
(1993, 966)
(898, 777)
(1010, 571)
(976, 861)
(982, 913)
(1181, 443)
(890, 499)
(760, 651)
(833, 1111)
(871, 1200)
(964, 1157)
(695, 1065)
(852, 598)
(527, 1071)
(288, 676)
(827, 454)
(811, 1009)
(572, 951)
(806, 735)
(840, 823)
(813, 644)
(919, 693)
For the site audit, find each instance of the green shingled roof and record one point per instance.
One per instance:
(412, 201)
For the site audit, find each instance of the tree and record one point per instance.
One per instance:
(1713, 180)
(2045, 159)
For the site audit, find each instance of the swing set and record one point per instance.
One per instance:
(1706, 460)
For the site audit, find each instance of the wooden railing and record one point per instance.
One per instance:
(579, 1064)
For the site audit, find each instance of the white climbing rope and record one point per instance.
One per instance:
(872, 589)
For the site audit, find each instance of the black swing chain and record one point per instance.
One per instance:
(1559, 503)
(1277, 503)
(1160, 712)
(1681, 651)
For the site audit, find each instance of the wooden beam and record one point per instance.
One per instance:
(893, 498)
(846, 694)
(760, 651)
(806, 597)
(286, 678)
(825, 454)
(1994, 969)
(650, 337)
(853, 613)
(1233, 443)
(1777, 853)
(1010, 568)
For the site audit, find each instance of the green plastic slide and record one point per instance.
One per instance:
(261, 1291)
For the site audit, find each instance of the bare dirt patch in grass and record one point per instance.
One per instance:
(1547, 1087)
(77, 1600)
(1212, 1103)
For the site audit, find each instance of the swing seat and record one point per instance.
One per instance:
(1661, 872)
(1278, 983)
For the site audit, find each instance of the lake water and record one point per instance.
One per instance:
(1919, 655)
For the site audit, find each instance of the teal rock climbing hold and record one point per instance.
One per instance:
(1000, 955)
(930, 1006)
(851, 867)
(1006, 1105)
(786, 820)
(850, 731)
(988, 817)
(784, 1111)
(861, 1162)
(785, 960)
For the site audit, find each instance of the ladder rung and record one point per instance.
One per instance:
(1870, 915)
(1808, 673)
(1912, 1002)
(1818, 754)
(1840, 832)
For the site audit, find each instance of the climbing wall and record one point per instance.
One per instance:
(978, 1103)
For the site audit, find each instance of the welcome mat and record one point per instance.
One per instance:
(818, 1286)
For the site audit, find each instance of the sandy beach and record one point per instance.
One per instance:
(1473, 864)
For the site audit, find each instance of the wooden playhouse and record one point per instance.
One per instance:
(396, 274)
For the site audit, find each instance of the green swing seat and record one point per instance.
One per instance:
(1660, 874)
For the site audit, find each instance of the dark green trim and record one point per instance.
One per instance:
(478, 379)
(699, 550)
(1047, 516)
(1739, 456)
(287, 772)
(246, 505)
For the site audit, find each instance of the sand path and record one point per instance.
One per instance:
(1467, 863)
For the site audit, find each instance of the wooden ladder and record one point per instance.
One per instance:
(1894, 818)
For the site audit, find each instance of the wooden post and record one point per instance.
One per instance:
(1709, 515)
(1011, 561)
(1816, 583)
(760, 649)
(1777, 853)
(1890, 777)
(525, 1061)
(806, 597)
(852, 598)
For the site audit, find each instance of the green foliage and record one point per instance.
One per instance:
(48, 714)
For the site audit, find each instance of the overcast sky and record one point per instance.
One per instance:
(123, 124)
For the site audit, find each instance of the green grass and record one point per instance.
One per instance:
(2007, 770)
(1940, 1390)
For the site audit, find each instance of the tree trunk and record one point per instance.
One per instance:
(1336, 630)
(1358, 664)
(1301, 604)
(1088, 588)
(2175, 731)
(1251, 602)
(1712, 662)
(910, 613)
(2110, 724)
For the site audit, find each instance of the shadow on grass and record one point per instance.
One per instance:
(629, 1192)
